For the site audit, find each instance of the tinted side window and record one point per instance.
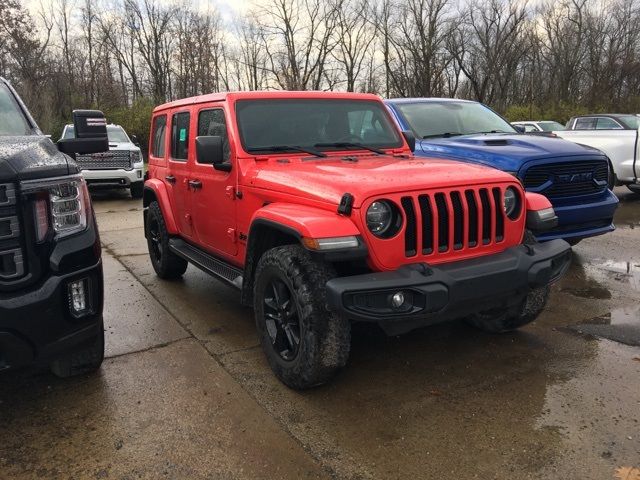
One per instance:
(585, 124)
(180, 136)
(605, 123)
(212, 123)
(158, 136)
(529, 128)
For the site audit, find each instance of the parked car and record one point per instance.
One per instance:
(312, 205)
(575, 178)
(50, 268)
(615, 135)
(121, 167)
(539, 127)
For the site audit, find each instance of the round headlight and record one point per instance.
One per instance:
(379, 217)
(510, 202)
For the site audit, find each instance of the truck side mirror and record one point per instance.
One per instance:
(135, 141)
(411, 139)
(90, 129)
(210, 151)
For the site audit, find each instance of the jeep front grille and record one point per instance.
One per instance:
(12, 265)
(454, 220)
(105, 161)
(566, 179)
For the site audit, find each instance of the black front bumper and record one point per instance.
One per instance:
(449, 291)
(36, 325)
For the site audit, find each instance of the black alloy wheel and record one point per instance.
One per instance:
(282, 318)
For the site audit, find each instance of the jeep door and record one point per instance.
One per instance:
(214, 198)
(178, 171)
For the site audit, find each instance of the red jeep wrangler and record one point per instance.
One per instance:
(313, 206)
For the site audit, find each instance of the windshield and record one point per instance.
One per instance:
(12, 119)
(551, 126)
(115, 134)
(318, 124)
(437, 119)
(631, 121)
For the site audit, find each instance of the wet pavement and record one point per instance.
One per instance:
(187, 393)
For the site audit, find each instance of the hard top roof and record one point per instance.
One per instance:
(269, 94)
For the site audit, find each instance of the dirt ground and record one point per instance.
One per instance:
(186, 392)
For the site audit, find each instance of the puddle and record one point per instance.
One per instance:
(621, 325)
(599, 293)
(624, 272)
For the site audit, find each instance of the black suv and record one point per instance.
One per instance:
(51, 283)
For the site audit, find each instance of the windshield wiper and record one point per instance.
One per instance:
(444, 135)
(491, 131)
(350, 145)
(287, 148)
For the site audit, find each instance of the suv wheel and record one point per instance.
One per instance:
(166, 263)
(508, 319)
(136, 189)
(84, 360)
(305, 343)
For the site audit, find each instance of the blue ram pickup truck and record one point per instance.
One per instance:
(575, 178)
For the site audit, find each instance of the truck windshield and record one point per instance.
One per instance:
(317, 124)
(446, 119)
(12, 119)
(114, 133)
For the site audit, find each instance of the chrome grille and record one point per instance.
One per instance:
(12, 265)
(105, 161)
(453, 220)
(564, 179)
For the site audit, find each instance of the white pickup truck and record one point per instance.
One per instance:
(615, 135)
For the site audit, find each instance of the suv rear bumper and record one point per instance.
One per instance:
(37, 325)
(450, 291)
(582, 220)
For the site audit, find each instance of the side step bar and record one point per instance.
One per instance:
(207, 262)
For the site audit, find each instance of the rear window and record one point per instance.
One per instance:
(12, 119)
(631, 121)
(158, 136)
(180, 136)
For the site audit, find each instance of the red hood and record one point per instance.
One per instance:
(327, 179)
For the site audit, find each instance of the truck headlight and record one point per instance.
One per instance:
(69, 203)
(135, 157)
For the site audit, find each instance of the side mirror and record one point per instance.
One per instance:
(411, 139)
(210, 151)
(520, 128)
(90, 128)
(135, 140)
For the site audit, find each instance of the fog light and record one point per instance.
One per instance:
(79, 301)
(397, 300)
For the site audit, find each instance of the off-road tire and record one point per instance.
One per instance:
(137, 190)
(508, 319)
(325, 337)
(634, 188)
(86, 359)
(166, 264)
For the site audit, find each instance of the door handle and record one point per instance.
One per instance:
(171, 179)
(195, 184)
